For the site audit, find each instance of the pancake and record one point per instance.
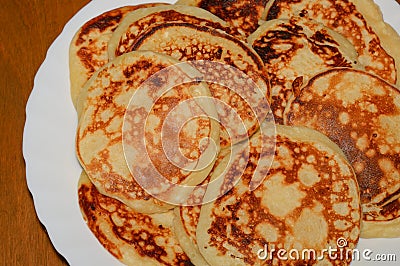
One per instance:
(88, 48)
(126, 148)
(243, 15)
(131, 237)
(139, 21)
(308, 200)
(361, 114)
(360, 21)
(294, 51)
(234, 72)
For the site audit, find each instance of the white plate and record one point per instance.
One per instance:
(52, 170)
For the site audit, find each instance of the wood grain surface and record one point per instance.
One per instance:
(27, 30)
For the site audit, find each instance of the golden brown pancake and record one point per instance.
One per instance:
(361, 114)
(308, 200)
(131, 237)
(234, 72)
(294, 51)
(138, 22)
(122, 146)
(360, 21)
(88, 49)
(243, 15)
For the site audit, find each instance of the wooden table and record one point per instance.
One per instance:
(27, 30)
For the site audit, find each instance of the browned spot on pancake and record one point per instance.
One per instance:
(86, 57)
(106, 21)
(104, 212)
(343, 17)
(132, 69)
(390, 211)
(297, 84)
(243, 15)
(279, 47)
(360, 135)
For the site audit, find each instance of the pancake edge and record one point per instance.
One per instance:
(380, 229)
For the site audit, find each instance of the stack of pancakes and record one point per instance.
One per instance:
(218, 132)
